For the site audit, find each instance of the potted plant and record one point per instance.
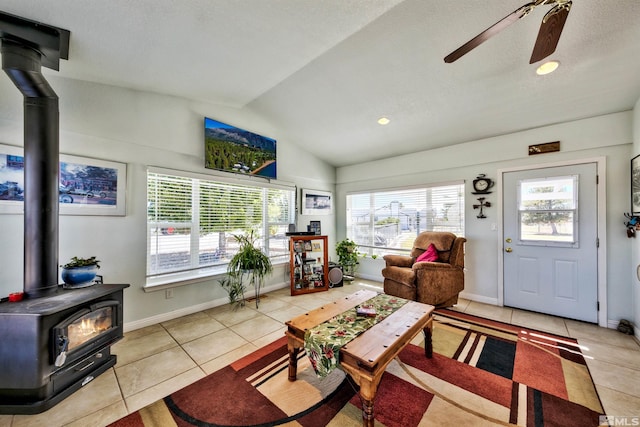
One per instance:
(249, 263)
(80, 272)
(347, 251)
(235, 290)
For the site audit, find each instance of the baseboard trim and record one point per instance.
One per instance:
(611, 324)
(164, 317)
(478, 298)
(372, 277)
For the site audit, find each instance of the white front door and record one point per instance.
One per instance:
(550, 253)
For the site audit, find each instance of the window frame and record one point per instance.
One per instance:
(368, 249)
(195, 272)
(573, 211)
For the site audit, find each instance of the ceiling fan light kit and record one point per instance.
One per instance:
(547, 68)
(548, 35)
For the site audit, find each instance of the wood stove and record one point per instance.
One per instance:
(53, 346)
(55, 340)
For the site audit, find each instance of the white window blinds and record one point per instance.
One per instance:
(391, 219)
(191, 221)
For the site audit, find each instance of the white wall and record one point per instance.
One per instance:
(609, 136)
(144, 129)
(140, 129)
(635, 261)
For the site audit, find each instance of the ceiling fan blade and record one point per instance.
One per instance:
(489, 32)
(550, 30)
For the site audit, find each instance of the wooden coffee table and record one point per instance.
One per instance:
(366, 357)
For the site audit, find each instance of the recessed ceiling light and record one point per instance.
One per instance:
(547, 67)
(383, 121)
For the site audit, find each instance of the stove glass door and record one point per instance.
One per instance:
(89, 326)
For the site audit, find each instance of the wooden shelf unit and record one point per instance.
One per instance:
(309, 264)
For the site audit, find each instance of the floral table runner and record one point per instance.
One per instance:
(323, 342)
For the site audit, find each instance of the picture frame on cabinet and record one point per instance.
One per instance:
(315, 227)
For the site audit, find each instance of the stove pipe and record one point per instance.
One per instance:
(41, 167)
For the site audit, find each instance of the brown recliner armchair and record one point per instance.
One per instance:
(436, 283)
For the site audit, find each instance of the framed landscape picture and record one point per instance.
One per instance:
(86, 186)
(316, 202)
(635, 185)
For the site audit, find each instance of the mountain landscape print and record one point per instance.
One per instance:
(231, 149)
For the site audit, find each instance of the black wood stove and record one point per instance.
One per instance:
(54, 345)
(55, 340)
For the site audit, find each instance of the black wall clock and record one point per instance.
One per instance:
(482, 184)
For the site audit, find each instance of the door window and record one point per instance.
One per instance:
(548, 211)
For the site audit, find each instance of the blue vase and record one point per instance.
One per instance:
(78, 277)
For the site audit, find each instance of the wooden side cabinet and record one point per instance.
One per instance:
(309, 264)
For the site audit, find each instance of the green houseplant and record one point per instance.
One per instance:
(80, 272)
(347, 252)
(235, 290)
(249, 265)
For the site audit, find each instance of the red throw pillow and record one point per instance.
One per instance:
(431, 254)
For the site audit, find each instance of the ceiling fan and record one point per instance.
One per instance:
(548, 36)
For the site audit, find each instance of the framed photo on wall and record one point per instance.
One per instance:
(11, 179)
(97, 187)
(635, 185)
(316, 202)
(86, 186)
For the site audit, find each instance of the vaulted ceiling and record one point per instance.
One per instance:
(322, 72)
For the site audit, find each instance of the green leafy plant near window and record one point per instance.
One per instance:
(250, 265)
(347, 252)
(235, 290)
(365, 255)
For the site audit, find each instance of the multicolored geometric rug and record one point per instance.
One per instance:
(483, 373)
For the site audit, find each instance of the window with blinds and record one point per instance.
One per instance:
(389, 221)
(191, 222)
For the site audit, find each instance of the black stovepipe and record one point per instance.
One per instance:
(41, 167)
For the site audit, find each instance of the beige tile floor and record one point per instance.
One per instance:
(158, 360)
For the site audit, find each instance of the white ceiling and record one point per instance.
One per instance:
(322, 72)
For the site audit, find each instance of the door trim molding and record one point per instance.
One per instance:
(601, 172)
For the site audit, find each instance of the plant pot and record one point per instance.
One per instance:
(79, 277)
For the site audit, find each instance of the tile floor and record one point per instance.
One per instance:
(157, 360)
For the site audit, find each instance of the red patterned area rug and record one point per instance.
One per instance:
(483, 373)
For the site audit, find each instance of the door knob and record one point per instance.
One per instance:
(508, 240)
(509, 250)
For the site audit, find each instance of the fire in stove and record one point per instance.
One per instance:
(85, 328)
(89, 327)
